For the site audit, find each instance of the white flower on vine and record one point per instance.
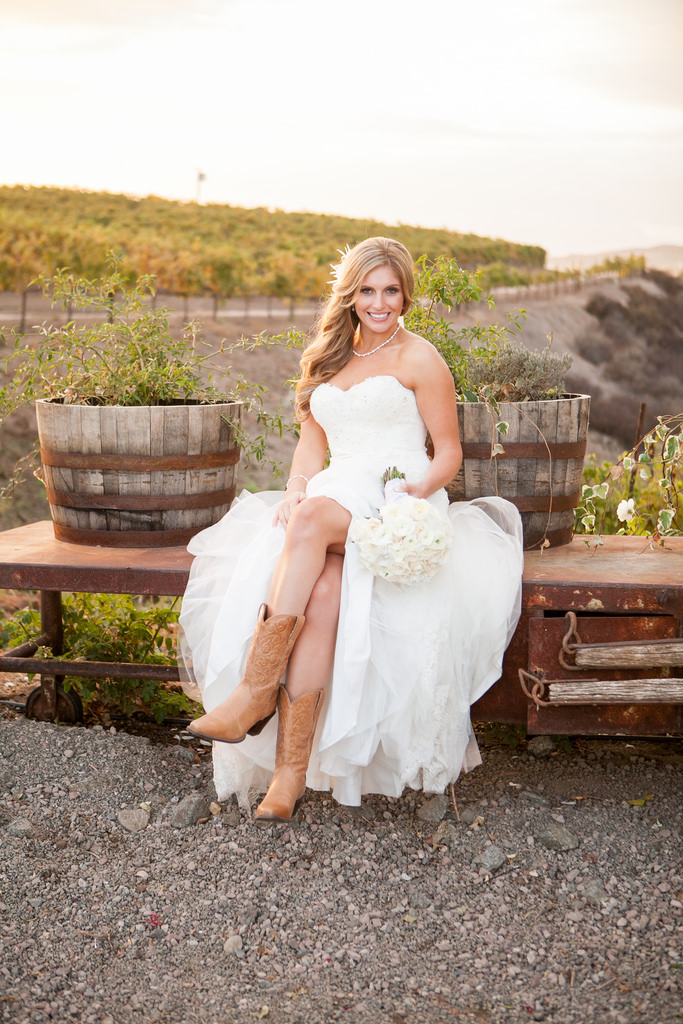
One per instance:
(337, 267)
(626, 510)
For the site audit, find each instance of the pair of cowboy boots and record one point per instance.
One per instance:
(252, 704)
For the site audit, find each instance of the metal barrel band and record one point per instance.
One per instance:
(140, 502)
(526, 450)
(125, 538)
(544, 502)
(140, 463)
(555, 538)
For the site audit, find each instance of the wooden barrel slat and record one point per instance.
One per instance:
(545, 484)
(541, 475)
(168, 471)
(176, 434)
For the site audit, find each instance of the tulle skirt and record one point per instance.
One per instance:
(409, 660)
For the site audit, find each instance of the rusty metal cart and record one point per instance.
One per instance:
(598, 650)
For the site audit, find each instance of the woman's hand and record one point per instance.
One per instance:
(308, 459)
(284, 510)
(415, 489)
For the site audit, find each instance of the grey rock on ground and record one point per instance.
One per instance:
(433, 809)
(491, 857)
(192, 809)
(133, 819)
(346, 914)
(556, 837)
(541, 746)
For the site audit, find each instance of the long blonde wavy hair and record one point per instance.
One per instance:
(332, 344)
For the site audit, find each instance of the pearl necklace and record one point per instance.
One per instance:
(362, 355)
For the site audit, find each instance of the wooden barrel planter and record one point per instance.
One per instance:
(540, 469)
(143, 476)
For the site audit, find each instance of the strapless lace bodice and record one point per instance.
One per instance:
(370, 427)
(378, 416)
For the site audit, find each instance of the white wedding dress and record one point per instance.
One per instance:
(409, 660)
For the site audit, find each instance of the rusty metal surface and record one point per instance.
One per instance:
(607, 720)
(504, 701)
(51, 620)
(95, 669)
(31, 558)
(625, 574)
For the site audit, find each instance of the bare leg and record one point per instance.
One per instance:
(310, 663)
(317, 526)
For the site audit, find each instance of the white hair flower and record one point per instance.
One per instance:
(337, 267)
(626, 510)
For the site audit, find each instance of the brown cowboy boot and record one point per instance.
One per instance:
(295, 731)
(253, 702)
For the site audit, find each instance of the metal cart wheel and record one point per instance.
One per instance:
(69, 707)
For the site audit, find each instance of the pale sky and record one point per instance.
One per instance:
(553, 122)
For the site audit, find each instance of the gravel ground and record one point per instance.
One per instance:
(128, 894)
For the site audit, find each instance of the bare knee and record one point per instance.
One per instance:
(317, 520)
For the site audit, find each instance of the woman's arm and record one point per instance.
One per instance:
(308, 459)
(432, 382)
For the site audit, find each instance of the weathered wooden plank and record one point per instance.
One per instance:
(615, 691)
(657, 653)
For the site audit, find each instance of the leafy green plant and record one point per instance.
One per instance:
(123, 354)
(486, 363)
(127, 356)
(640, 495)
(117, 628)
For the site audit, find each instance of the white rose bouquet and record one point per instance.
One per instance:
(408, 542)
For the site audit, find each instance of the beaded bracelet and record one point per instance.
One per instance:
(297, 476)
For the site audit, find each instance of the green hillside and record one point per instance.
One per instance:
(215, 249)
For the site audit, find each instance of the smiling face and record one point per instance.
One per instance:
(379, 303)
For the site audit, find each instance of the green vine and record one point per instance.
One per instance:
(641, 494)
(117, 628)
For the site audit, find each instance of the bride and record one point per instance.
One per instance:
(378, 677)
